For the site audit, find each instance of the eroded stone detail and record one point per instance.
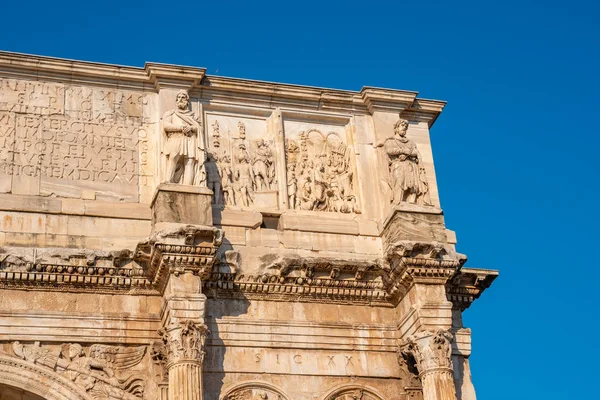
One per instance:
(101, 370)
(406, 173)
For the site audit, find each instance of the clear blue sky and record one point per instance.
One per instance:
(516, 149)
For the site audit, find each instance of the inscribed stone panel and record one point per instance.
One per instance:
(71, 141)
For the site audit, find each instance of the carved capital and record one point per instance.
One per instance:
(432, 351)
(184, 342)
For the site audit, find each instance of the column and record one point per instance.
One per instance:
(432, 352)
(184, 343)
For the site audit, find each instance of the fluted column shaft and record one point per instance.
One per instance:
(185, 380)
(438, 385)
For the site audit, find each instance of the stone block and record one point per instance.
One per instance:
(182, 204)
(120, 210)
(12, 202)
(5, 183)
(73, 206)
(266, 200)
(313, 222)
(248, 219)
(412, 222)
(234, 234)
(22, 222)
(23, 184)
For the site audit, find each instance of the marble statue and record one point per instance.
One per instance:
(407, 177)
(184, 150)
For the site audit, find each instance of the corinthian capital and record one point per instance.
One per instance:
(431, 350)
(184, 342)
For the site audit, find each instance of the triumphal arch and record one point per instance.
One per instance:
(171, 235)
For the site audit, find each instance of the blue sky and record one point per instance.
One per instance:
(516, 148)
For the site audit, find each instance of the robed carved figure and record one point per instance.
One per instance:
(406, 173)
(184, 150)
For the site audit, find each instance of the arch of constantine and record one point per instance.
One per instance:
(171, 235)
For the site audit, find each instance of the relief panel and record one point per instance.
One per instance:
(320, 169)
(241, 161)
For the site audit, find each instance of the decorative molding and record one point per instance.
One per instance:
(307, 279)
(155, 76)
(467, 285)
(420, 262)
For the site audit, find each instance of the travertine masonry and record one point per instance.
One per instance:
(171, 235)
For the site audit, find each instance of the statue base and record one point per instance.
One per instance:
(174, 204)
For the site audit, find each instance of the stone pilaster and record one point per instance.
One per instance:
(432, 352)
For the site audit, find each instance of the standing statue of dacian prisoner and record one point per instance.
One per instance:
(406, 173)
(183, 151)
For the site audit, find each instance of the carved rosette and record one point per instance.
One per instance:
(184, 342)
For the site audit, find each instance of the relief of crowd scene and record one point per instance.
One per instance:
(239, 169)
(319, 175)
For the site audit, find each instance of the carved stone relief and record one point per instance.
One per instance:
(71, 141)
(319, 176)
(101, 370)
(241, 161)
(406, 178)
(353, 394)
(254, 392)
(183, 152)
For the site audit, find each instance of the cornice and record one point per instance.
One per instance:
(154, 76)
(467, 285)
(387, 100)
(169, 75)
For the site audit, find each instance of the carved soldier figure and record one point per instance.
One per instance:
(213, 176)
(244, 176)
(227, 180)
(183, 152)
(307, 199)
(292, 184)
(408, 180)
(263, 165)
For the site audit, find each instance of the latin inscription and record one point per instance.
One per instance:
(73, 134)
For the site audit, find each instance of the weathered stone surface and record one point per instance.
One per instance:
(182, 204)
(170, 235)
